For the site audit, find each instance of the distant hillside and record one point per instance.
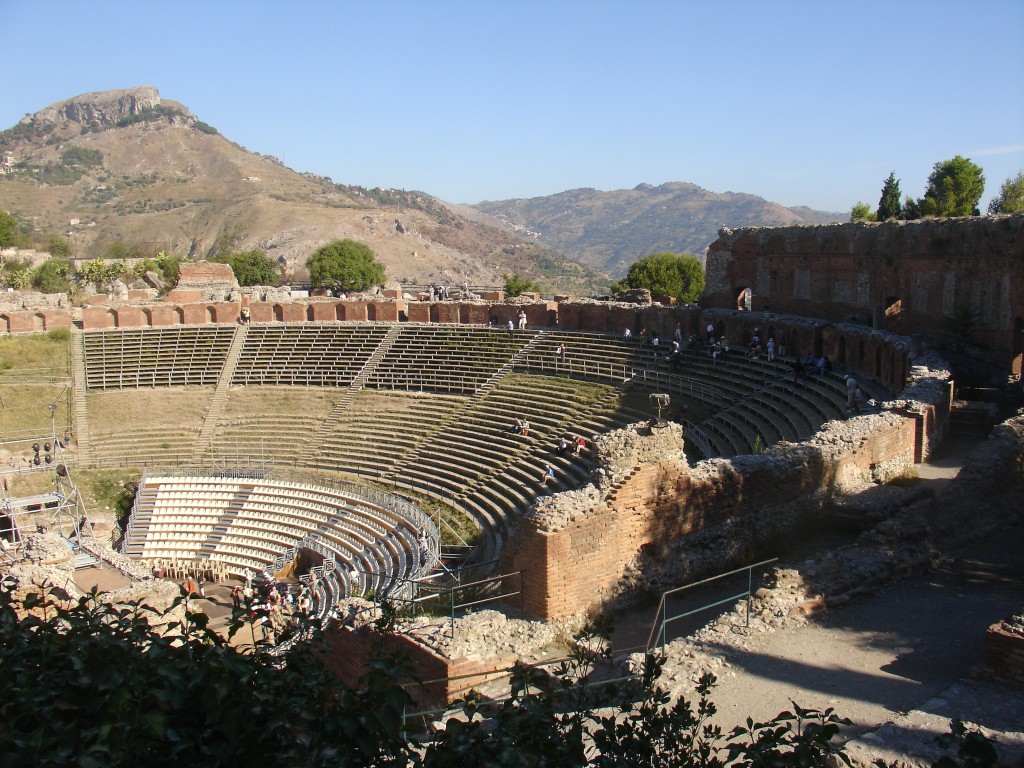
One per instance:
(129, 166)
(610, 230)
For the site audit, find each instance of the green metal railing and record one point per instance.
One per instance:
(659, 632)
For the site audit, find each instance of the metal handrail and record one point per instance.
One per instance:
(659, 635)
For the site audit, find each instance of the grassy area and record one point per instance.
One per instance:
(173, 407)
(101, 490)
(25, 411)
(584, 393)
(42, 354)
(256, 401)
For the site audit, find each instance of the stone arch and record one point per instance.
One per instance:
(179, 315)
(38, 322)
(893, 312)
(1017, 345)
(371, 312)
(310, 314)
(5, 323)
(339, 311)
(744, 299)
(279, 313)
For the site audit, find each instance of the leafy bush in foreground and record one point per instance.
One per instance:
(90, 684)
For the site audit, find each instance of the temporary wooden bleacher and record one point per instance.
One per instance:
(155, 357)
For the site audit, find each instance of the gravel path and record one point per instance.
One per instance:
(914, 647)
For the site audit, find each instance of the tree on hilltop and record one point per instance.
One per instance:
(889, 206)
(680, 275)
(346, 265)
(1011, 196)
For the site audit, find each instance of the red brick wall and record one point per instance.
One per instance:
(1004, 656)
(97, 317)
(579, 564)
(130, 317)
(932, 267)
(350, 650)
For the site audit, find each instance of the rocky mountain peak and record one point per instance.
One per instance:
(105, 108)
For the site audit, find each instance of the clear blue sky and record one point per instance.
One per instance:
(807, 102)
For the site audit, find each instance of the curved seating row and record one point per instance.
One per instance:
(459, 447)
(247, 523)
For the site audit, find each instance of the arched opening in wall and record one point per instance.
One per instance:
(279, 313)
(309, 313)
(1018, 345)
(371, 312)
(433, 313)
(38, 322)
(211, 314)
(5, 324)
(339, 311)
(893, 313)
(860, 355)
(179, 315)
(148, 314)
(841, 351)
(744, 300)
(878, 362)
(111, 319)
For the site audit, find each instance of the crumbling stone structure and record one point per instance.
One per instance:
(934, 277)
(650, 520)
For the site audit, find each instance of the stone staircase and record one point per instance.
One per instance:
(78, 387)
(327, 427)
(220, 396)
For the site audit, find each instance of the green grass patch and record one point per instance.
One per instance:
(45, 354)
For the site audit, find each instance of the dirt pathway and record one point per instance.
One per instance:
(899, 663)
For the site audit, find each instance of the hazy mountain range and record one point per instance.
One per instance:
(609, 230)
(129, 166)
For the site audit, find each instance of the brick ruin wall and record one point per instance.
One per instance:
(664, 522)
(907, 277)
(438, 679)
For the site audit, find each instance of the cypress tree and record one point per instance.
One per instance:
(889, 204)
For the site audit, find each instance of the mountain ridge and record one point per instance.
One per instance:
(128, 166)
(608, 230)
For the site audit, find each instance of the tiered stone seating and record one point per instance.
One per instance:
(155, 357)
(247, 523)
(311, 355)
(476, 461)
(446, 431)
(381, 429)
(144, 447)
(443, 358)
